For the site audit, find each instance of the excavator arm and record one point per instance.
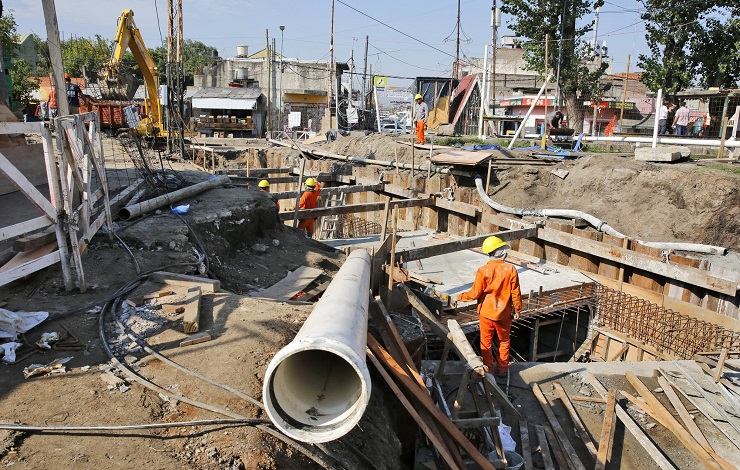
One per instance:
(115, 86)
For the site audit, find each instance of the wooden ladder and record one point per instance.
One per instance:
(330, 224)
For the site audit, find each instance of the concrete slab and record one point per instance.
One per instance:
(667, 153)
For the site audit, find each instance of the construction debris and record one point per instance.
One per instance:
(52, 368)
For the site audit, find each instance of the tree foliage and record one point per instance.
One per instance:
(80, 53)
(24, 82)
(691, 43)
(535, 20)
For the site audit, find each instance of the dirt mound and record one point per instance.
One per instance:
(679, 202)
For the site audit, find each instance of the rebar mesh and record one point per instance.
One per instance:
(150, 165)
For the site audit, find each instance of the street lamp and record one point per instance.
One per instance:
(282, 28)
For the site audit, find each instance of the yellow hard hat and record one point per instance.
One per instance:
(492, 244)
(311, 182)
(418, 97)
(264, 184)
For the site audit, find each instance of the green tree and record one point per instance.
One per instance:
(535, 20)
(196, 55)
(43, 59)
(9, 43)
(691, 43)
(24, 83)
(85, 53)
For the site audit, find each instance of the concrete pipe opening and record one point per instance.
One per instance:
(316, 395)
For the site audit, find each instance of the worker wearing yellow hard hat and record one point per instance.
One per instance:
(264, 187)
(420, 115)
(496, 289)
(309, 200)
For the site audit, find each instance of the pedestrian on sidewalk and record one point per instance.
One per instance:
(681, 121)
(496, 289)
(663, 118)
(421, 114)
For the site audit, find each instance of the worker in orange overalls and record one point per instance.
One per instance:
(309, 200)
(496, 288)
(421, 114)
(52, 102)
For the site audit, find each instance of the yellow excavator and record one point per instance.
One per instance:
(117, 86)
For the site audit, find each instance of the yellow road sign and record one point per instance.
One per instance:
(380, 80)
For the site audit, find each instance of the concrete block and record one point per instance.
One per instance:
(446, 130)
(658, 154)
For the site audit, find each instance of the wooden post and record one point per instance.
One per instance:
(544, 124)
(55, 55)
(723, 127)
(488, 177)
(624, 92)
(720, 364)
(413, 143)
(298, 197)
(393, 248)
(386, 212)
(625, 245)
(395, 152)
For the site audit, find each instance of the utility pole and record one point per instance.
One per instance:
(280, 98)
(268, 126)
(364, 76)
(495, 23)
(175, 79)
(456, 68)
(596, 48)
(55, 54)
(330, 86)
(624, 92)
(560, 58)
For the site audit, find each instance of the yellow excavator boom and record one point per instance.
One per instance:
(129, 37)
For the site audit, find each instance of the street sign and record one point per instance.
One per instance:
(380, 81)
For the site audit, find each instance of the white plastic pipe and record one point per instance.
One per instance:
(595, 222)
(133, 210)
(317, 387)
(656, 124)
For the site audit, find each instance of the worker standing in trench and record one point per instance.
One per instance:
(421, 114)
(264, 186)
(496, 288)
(309, 200)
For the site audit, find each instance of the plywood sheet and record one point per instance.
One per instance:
(291, 284)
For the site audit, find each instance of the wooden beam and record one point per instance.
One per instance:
(720, 365)
(555, 447)
(321, 178)
(24, 227)
(21, 127)
(570, 452)
(355, 208)
(631, 426)
(462, 244)
(693, 276)
(426, 401)
(526, 448)
(580, 427)
(330, 191)
(467, 423)
(33, 241)
(544, 448)
(26, 187)
(688, 421)
(287, 287)
(457, 207)
(708, 459)
(607, 432)
(206, 285)
(191, 316)
(195, 339)
(431, 432)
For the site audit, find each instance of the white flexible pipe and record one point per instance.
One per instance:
(595, 222)
(317, 387)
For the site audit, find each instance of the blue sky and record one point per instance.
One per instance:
(224, 24)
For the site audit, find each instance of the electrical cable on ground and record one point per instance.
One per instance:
(132, 427)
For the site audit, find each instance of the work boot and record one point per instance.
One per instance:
(502, 374)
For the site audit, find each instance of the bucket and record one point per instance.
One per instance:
(514, 460)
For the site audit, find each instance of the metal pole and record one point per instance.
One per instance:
(330, 90)
(268, 125)
(722, 127)
(624, 93)
(280, 98)
(560, 58)
(364, 76)
(495, 23)
(529, 111)
(55, 55)
(483, 93)
(658, 102)
(543, 142)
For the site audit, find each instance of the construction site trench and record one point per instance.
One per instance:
(619, 317)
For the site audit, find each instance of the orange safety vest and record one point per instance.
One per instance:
(496, 288)
(309, 200)
(53, 98)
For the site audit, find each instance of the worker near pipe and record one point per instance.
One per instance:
(496, 289)
(421, 114)
(309, 200)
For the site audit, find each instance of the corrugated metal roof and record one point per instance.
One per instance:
(231, 93)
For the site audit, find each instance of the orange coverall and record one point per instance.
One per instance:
(496, 288)
(309, 200)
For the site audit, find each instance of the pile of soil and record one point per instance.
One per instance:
(654, 202)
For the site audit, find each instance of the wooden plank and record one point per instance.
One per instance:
(191, 316)
(468, 423)
(379, 257)
(28, 256)
(693, 276)
(206, 285)
(33, 241)
(686, 418)
(706, 458)
(555, 447)
(428, 428)
(291, 284)
(607, 432)
(195, 339)
(330, 191)
(570, 452)
(580, 427)
(426, 401)
(26, 187)
(355, 208)
(544, 448)
(589, 399)
(29, 267)
(720, 365)
(20, 127)
(631, 426)
(457, 207)
(462, 244)
(584, 261)
(526, 448)
(24, 227)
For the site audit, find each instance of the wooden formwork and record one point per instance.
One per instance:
(78, 205)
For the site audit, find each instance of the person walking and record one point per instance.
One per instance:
(497, 291)
(309, 200)
(73, 95)
(681, 121)
(52, 103)
(663, 118)
(421, 114)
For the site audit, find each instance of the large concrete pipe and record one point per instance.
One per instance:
(169, 198)
(317, 387)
